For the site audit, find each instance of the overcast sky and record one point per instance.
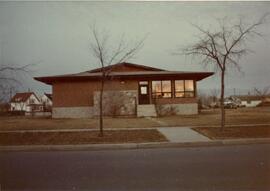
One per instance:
(55, 35)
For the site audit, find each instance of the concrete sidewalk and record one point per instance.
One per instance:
(181, 135)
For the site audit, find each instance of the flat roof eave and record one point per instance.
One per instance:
(156, 76)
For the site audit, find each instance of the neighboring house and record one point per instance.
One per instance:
(250, 101)
(265, 101)
(130, 90)
(27, 101)
(46, 100)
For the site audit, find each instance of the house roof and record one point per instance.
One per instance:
(124, 65)
(48, 96)
(22, 97)
(249, 97)
(126, 71)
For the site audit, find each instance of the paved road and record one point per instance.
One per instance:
(203, 168)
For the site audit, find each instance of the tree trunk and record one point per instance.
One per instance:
(101, 108)
(222, 125)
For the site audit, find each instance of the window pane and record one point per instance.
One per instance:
(179, 85)
(144, 90)
(157, 95)
(189, 94)
(189, 85)
(166, 86)
(179, 94)
(156, 86)
(166, 95)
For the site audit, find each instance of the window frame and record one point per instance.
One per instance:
(184, 91)
(161, 88)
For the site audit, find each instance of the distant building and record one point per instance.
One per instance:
(250, 101)
(46, 100)
(26, 101)
(265, 101)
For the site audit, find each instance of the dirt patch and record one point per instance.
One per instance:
(85, 137)
(235, 132)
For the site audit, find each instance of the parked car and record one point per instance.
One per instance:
(228, 104)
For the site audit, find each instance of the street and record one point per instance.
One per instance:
(245, 167)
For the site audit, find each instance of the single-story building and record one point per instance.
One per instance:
(129, 90)
(250, 100)
(265, 101)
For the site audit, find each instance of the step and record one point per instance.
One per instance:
(147, 110)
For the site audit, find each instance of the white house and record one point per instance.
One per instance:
(27, 101)
(250, 101)
(46, 100)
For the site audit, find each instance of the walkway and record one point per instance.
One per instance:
(183, 134)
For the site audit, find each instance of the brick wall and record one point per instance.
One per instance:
(174, 100)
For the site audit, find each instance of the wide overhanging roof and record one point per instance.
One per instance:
(138, 75)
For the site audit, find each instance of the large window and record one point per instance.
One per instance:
(184, 88)
(161, 89)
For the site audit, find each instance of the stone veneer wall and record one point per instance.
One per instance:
(177, 109)
(72, 112)
(122, 103)
(117, 103)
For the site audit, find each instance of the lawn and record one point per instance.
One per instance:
(86, 137)
(211, 117)
(235, 132)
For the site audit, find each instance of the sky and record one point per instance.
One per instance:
(56, 36)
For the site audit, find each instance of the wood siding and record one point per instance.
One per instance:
(77, 94)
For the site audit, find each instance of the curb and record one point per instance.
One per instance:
(101, 147)
(246, 141)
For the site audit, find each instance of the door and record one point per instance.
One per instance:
(144, 93)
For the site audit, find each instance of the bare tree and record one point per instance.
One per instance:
(223, 48)
(263, 93)
(9, 78)
(214, 96)
(108, 53)
(209, 99)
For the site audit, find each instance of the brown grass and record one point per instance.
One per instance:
(235, 132)
(206, 118)
(212, 117)
(87, 137)
(26, 123)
